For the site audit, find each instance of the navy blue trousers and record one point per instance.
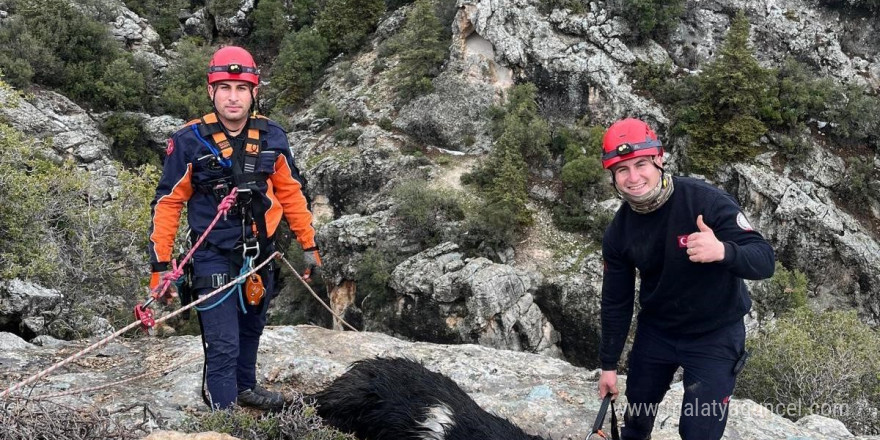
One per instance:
(231, 335)
(708, 361)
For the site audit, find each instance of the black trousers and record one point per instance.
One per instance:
(708, 361)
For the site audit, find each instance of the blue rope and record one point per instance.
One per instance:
(245, 268)
(225, 163)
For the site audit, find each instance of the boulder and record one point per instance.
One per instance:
(442, 297)
(25, 307)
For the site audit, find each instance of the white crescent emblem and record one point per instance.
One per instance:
(742, 222)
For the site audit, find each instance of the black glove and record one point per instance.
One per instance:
(313, 263)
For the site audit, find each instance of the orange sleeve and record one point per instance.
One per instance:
(288, 191)
(170, 199)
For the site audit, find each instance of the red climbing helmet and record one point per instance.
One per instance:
(629, 138)
(233, 63)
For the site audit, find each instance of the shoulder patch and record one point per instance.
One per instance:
(743, 222)
(169, 148)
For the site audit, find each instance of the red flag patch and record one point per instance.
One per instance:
(170, 147)
(682, 241)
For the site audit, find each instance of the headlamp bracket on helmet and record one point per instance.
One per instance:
(628, 148)
(234, 68)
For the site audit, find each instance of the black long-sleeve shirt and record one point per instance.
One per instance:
(677, 295)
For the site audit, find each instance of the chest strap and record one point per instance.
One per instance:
(210, 126)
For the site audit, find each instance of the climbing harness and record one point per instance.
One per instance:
(596, 430)
(141, 311)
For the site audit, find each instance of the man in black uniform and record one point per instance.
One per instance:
(692, 247)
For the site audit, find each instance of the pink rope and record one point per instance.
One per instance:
(177, 269)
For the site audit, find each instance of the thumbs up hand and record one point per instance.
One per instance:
(703, 246)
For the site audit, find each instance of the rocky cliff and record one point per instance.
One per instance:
(544, 396)
(540, 296)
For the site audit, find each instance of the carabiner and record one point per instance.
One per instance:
(250, 250)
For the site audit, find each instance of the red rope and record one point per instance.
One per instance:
(170, 277)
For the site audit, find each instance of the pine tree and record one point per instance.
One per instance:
(421, 48)
(735, 97)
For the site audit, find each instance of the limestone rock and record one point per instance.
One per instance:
(824, 425)
(355, 176)
(199, 24)
(577, 61)
(571, 303)
(28, 306)
(133, 31)
(10, 342)
(454, 116)
(235, 24)
(805, 226)
(442, 297)
(544, 396)
(74, 132)
(160, 128)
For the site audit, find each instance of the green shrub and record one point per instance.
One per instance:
(345, 24)
(657, 81)
(274, 19)
(51, 43)
(422, 48)
(222, 8)
(373, 274)
(854, 111)
(801, 95)
(298, 67)
(297, 421)
(425, 213)
(522, 137)
(324, 108)
(130, 141)
(184, 93)
(582, 180)
(651, 18)
(386, 123)
(123, 85)
(347, 135)
(87, 247)
(518, 125)
(582, 172)
(855, 188)
(731, 100)
(812, 359)
(392, 5)
(784, 293)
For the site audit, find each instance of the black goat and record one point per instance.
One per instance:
(400, 399)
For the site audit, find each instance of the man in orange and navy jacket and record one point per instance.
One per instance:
(228, 149)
